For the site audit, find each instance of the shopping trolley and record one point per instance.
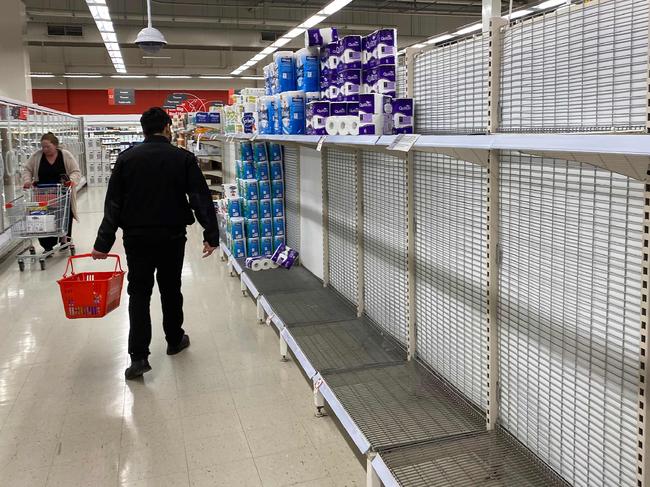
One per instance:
(42, 211)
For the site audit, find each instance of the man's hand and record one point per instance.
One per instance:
(207, 249)
(97, 255)
(27, 185)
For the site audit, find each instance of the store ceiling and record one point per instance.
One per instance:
(216, 36)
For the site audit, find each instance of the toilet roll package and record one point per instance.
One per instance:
(308, 69)
(380, 80)
(266, 246)
(311, 96)
(285, 64)
(250, 189)
(266, 209)
(338, 109)
(277, 174)
(234, 207)
(249, 118)
(372, 124)
(277, 119)
(349, 84)
(373, 103)
(321, 37)
(350, 53)
(353, 108)
(266, 227)
(253, 247)
(278, 227)
(284, 256)
(251, 209)
(277, 189)
(247, 170)
(317, 114)
(275, 152)
(334, 52)
(369, 48)
(277, 242)
(236, 228)
(386, 50)
(245, 152)
(372, 118)
(238, 248)
(268, 79)
(343, 125)
(266, 115)
(264, 190)
(260, 154)
(293, 112)
(262, 171)
(253, 228)
(278, 207)
(402, 115)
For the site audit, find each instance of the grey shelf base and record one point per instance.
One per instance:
(309, 307)
(487, 459)
(280, 280)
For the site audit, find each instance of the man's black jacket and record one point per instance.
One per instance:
(152, 192)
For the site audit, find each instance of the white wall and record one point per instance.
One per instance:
(311, 211)
(14, 57)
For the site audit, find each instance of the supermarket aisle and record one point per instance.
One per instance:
(225, 412)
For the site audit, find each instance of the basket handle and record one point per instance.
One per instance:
(70, 264)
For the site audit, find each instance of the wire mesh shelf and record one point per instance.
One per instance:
(308, 307)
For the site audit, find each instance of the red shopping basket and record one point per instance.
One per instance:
(91, 294)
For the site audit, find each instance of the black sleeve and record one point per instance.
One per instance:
(112, 207)
(201, 202)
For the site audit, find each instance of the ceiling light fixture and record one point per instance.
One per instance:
(551, 4)
(253, 77)
(129, 76)
(41, 75)
(83, 76)
(173, 76)
(329, 9)
(102, 17)
(214, 76)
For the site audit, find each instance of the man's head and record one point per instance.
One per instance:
(156, 121)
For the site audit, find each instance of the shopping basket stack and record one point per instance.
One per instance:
(91, 294)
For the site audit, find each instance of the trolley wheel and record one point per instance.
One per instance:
(32, 251)
(42, 264)
(21, 266)
(72, 250)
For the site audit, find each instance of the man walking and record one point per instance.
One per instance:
(151, 194)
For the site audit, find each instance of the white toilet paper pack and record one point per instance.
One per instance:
(293, 112)
(266, 115)
(350, 84)
(321, 37)
(308, 69)
(317, 115)
(372, 110)
(402, 114)
(350, 57)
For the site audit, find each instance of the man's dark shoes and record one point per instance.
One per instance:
(185, 342)
(137, 369)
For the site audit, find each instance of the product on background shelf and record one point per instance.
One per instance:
(277, 173)
(285, 63)
(262, 171)
(321, 37)
(249, 118)
(253, 247)
(386, 50)
(264, 190)
(369, 48)
(234, 207)
(251, 209)
(266, 227)
(260, 152)
(230, 190)
(236, 228)
(312, 96)
(245, 152)
(375, 114)
(248, 170)
(277, 119)
(266, 246)
(381, 80)
(266, 210)
(277, 189)
(275, 152)
(293, 112)
(284, 256)
(266, 115)
(278, 240)
(402, 115)
(317, 114)
(350, 53)
(252, 228)
(278, 207)
(349, 84)
(308, 69)
(238, 248)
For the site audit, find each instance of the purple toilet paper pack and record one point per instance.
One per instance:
(350, 56)
(402, 112)
(284, 256)
(317, 114)
(350, 84)
(320, 37)
(338, 109)
(369, 46)
(374, 113)
(381, 80)
(334, 58)
(386, 50)
(353, 108)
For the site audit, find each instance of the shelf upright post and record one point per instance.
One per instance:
(643, 436)
(359, 217)
(326, 225)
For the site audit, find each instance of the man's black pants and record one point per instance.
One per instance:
(164, 257)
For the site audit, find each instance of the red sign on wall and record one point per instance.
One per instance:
(120, 96)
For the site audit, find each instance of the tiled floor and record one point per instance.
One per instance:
(225, 412)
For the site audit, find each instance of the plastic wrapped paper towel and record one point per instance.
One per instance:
(320, 37)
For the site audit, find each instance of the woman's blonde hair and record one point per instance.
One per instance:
(51, 138)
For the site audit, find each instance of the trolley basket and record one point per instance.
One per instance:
(91, 294)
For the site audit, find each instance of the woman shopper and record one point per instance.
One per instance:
(52, 165)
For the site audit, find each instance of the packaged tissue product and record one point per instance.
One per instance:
(353, 108)
(262, 171)
(253, 228)
(275, 152)
(402, 114)
(268, 80)
(338, 109)
(260, 153)
(238, 248)
(278, 207)
(277, 189)
(266, 227)
(380, 80)
(277, 174)
(234, 207)
(350, 84)
(266, 209)
(308, 69)
(250, 189)
(332, 86)
(253, 247)
(248, 170)
(214, 117)
(201, 117)
(264, 190)
(335, 49)
(284, 256)
(278, 227)
(285, 64)
(266, 115)
(311, 96)
(245, 152)
(236, 228)
(317, 114)
(351, 57)
(251, 209)
(369, 48)
(320, 37)
(277, 242)
(230, 190)
(293, 112)
(266, 246)
(277, 119)
(249, 120)
(386, 50)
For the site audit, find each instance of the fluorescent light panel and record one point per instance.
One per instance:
(102, 17)
(329, 9)
(41, 75)
(173, 76)
(210, 76)
(129, 76)
(551, 4)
